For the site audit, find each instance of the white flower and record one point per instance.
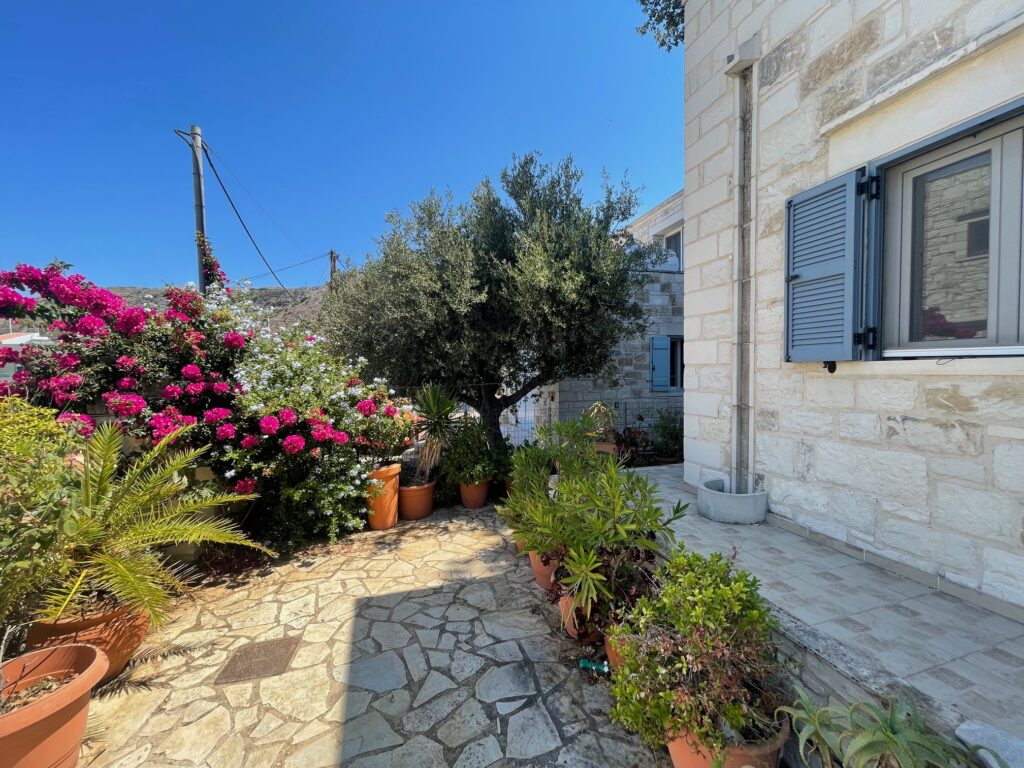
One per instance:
(230, 473)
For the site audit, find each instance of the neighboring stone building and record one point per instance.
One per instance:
(650, 367)
(854, 295)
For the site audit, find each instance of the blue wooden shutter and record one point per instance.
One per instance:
(823, 252)
(660, 356)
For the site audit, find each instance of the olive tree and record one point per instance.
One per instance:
(517, 287)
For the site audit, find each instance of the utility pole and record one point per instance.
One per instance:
(334, 267)
(200, 200)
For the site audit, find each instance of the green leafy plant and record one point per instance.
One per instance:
(668, 434)
(436, 424)
(698, 658)
(603, 417)
(35, 486)
(468, 458)
(865, 735)
(119, 515)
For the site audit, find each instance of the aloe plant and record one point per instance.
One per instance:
(866, 735)
(119, 515)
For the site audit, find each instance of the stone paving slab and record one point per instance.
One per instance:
(967, 660)
(425, 645)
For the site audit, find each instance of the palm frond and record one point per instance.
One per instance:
(137, 580)
(102, 456)
(185, 529)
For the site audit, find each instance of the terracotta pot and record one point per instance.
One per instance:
(415, 501)
(474, 496)
(117, 633)
(569, 622)
(764, 754)
(48, 732)
(383, 505)
(614, 657)
(605, 446)
(543, 574)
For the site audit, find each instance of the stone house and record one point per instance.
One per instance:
(854, 292)
(649, 367)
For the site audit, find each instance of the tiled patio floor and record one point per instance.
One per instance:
(962, 656)
(425, 646)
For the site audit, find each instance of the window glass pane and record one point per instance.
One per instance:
(676, 364)
(673, 244)
(950, 268)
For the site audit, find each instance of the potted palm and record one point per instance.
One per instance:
(110, 583)
(699, 672)
(434, 424)
(44, 695)
(468, 462)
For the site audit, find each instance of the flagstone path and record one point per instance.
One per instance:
(426, 645)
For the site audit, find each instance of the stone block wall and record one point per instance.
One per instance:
(920, 462)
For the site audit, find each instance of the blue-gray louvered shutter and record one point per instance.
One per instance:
(660, 363)
(823, 251)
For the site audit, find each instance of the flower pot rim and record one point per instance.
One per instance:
(54, 701)
(386, 470)
(89, 619)
(753, 747)
(417, 487)
(475, 485)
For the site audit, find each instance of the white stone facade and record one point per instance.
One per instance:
(630, 392)
(920, 462)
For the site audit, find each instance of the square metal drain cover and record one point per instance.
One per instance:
(258, 660)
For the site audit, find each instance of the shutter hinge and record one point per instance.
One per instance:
(870, 186)
(868, 339)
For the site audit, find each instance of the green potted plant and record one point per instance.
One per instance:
(434, 411)
(699, 671)
(385, 432)
(865, 735)
(668, 437)
(613, 528)
(603, 417)
(109, 583)
(468, 462)
(44, 695)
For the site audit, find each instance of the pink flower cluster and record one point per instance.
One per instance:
(234, 340)
(168, 421)
(82, 424)
(124, 405)
(216, 415)
(245, 485)
(366, 407)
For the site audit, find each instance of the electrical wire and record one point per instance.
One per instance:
(291, 266)
(241, 221)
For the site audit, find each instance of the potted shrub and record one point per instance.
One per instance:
(386, 431)
(699, 672)
(468, 463)
(434, 423)
(603, 417)
(44, 695)
(613, 530)
(524, 510)
(894, 735)
(668, 437)
(110, 584)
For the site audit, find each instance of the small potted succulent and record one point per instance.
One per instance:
(468, 462)
(893, 735)
(699, 671)
(434, 425)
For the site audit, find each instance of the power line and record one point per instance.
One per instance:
(241, 221)
(291, 266)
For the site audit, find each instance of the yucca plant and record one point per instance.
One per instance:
(436, 411)
(866, 735)
(119, 516)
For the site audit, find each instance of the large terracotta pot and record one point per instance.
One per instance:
(383, 504)
(569, 622)
(763, 754)
(117, 633)
(473, 496)
(415, 501)
(606, 446)
(542, 574)
(47, 733)
(614, 657)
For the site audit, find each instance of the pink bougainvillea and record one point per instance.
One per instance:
(245, 486)
(250, 441)
(293, 444)
(226, 432)
(390, 410)
(131, 321)
(82, 424)
(192, 372)
(287, 416)
(172, 392)
(127, 383)
(366, 407)
(124, 405)
(234, 340)
(269, 425)
(216, 415)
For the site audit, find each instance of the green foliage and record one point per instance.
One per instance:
(436, 425)
(668, 434)
(698, 658)
(35, 480)
(493, 297)
(119, 515)
(604, 417)
(468, 459)
(865, 735)
(666, 20)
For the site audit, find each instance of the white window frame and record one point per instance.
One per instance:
(661, 240)
(1005, 328)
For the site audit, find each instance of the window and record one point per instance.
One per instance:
(952, 248)
(673, 245)
(666, 363)
(914, 256)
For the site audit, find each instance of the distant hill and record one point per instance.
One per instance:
(298, 305)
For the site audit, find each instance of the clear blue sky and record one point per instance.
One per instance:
(331, 113)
